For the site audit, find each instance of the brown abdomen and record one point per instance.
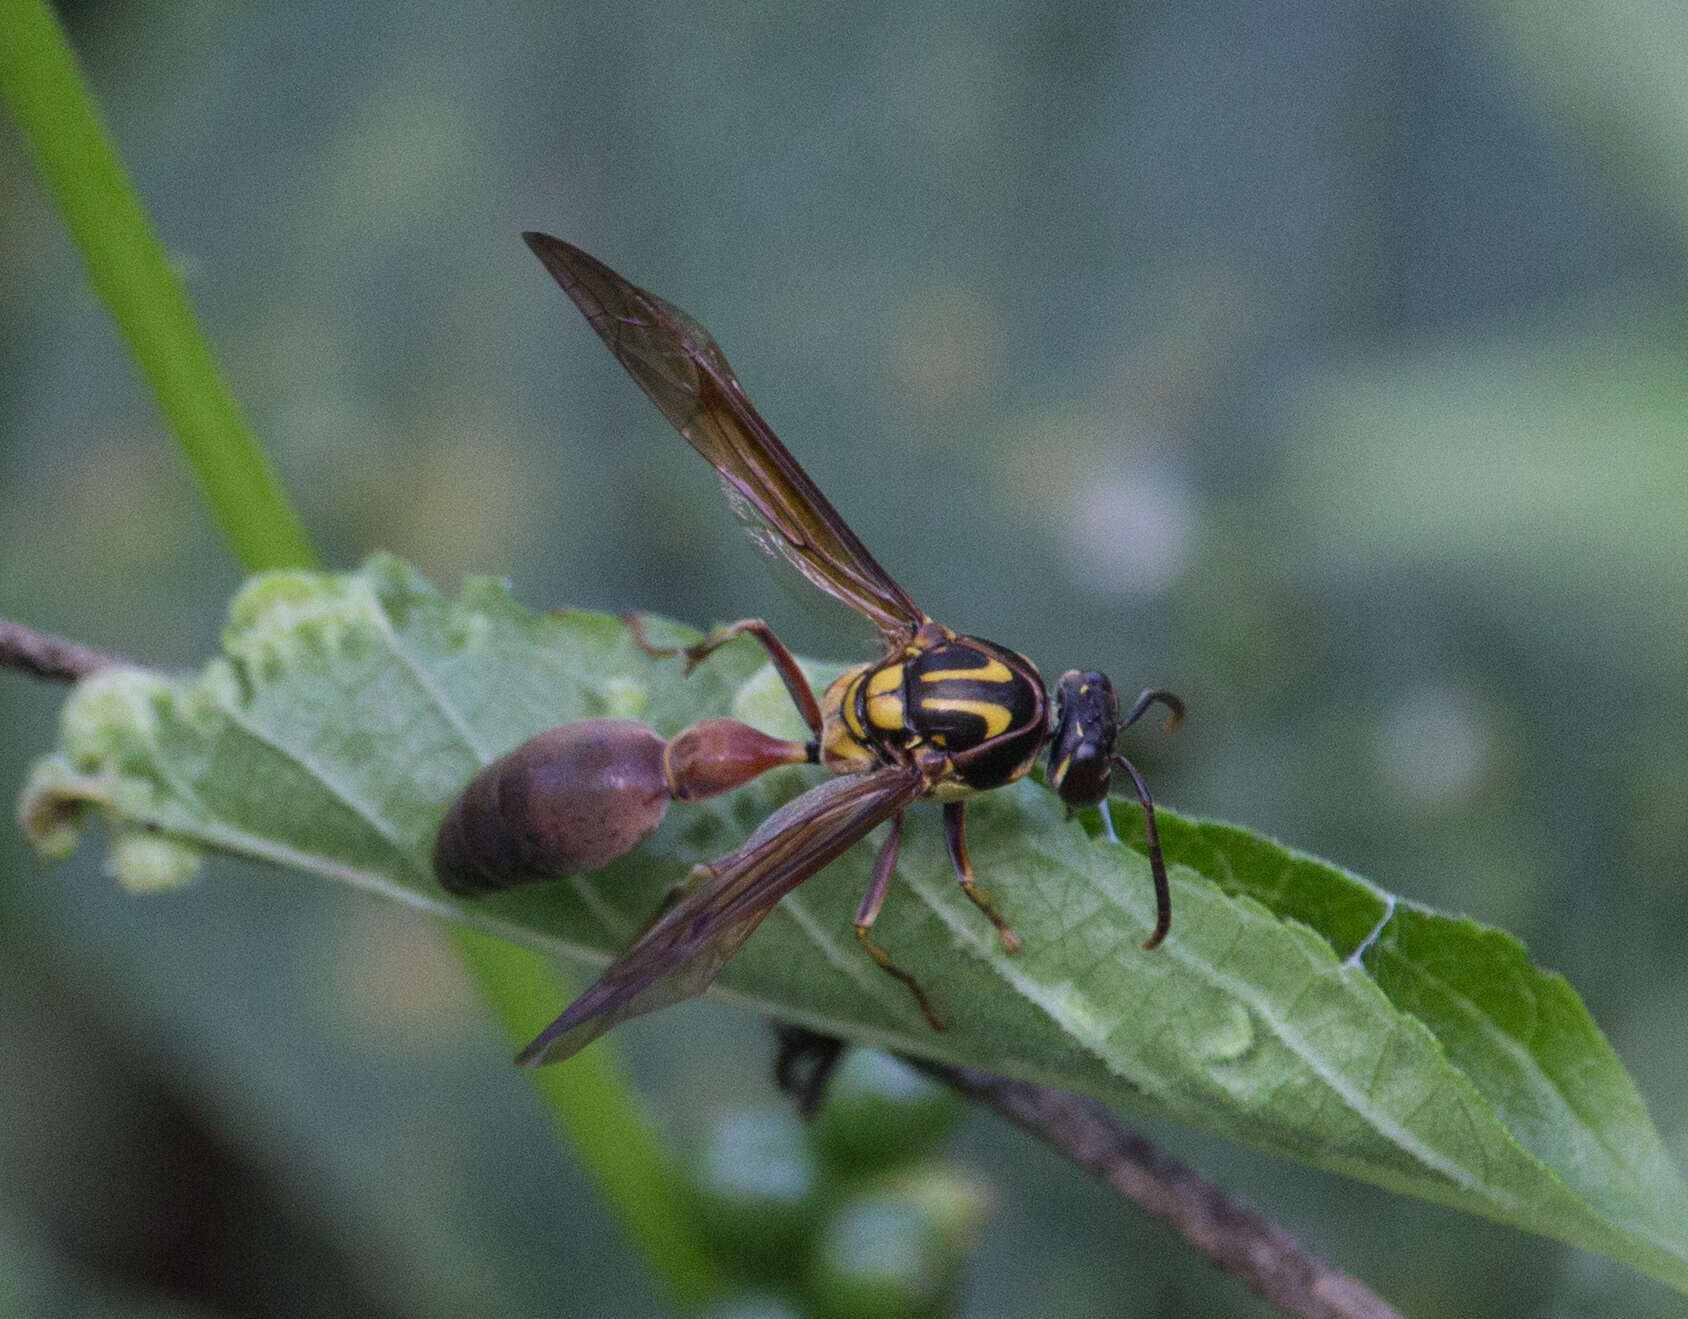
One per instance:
(570, 799)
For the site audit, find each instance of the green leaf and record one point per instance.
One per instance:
(349, 710)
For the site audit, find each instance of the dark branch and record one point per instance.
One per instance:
(1272, 1263)
(48, 656)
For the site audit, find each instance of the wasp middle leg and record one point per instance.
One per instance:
(883, 865)
(957, 845)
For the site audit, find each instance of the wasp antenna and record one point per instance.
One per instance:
(1157, 866)
(1174, 706)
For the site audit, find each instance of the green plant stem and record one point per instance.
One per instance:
(586, 1097)
(128, 266)
(590, 1101)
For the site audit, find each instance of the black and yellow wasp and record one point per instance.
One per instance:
(937, 715)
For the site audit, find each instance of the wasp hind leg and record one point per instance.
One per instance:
(802, 695)
(883, 865)
(957, 844)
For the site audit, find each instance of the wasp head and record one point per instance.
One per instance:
(1081, 749)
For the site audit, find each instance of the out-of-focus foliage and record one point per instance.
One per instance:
(1319, 361)
(879, 1110)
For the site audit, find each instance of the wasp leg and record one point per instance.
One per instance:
(1157, 866)
(1107, 820)
(802, 695)
(957, 844)
(883, 865)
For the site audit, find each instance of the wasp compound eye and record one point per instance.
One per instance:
(1082, 747)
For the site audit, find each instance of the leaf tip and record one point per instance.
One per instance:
(50, 814)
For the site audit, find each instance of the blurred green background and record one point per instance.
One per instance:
(1323, 362)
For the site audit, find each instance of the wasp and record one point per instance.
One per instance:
(937, 715)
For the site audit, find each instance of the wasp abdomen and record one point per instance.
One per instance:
(717, 755)
(570, 799)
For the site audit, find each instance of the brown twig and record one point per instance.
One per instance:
(1272, 1263)
(48, 656)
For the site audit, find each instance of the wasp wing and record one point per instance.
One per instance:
(681, 952)
(683, 370)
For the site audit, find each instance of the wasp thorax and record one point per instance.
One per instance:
(1081, 749)
(570, 799)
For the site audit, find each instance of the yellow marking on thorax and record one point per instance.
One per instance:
(842, 748)
(843, 754)
(884, 699)
(886, 680)
(886, 712)
(996, 716)
(995, 671)
(847, 708)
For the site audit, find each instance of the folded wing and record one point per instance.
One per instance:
(679, 955)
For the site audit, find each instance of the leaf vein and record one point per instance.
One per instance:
(363, 810)
(1513, 1048)
(428, 686)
